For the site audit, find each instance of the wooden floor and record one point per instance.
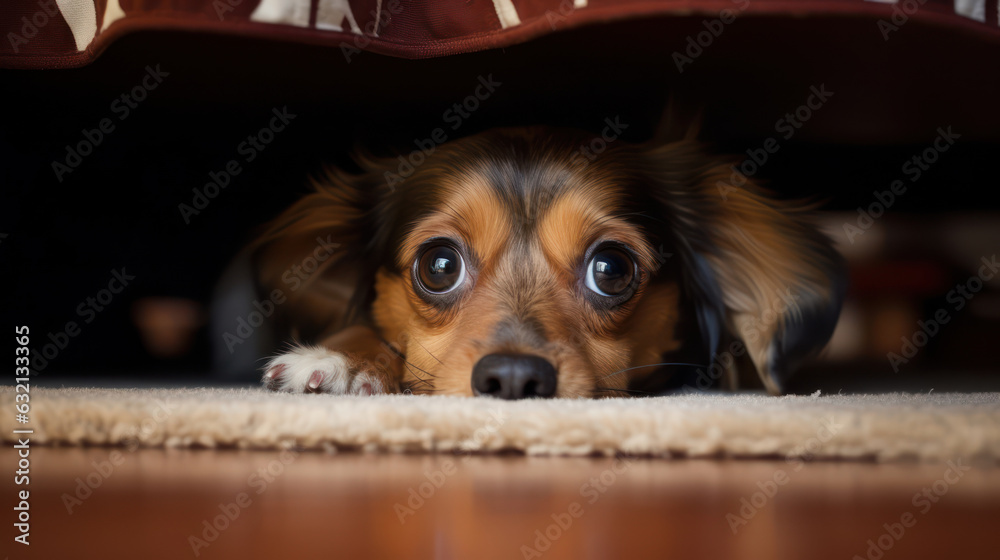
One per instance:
(89, 503)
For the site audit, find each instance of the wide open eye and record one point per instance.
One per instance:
(440, 269)
(610, 273)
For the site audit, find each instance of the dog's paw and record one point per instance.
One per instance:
(318, 370)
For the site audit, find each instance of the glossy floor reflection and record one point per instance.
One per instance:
(116, 503)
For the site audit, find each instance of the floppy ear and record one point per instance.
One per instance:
(322, 253)
(757, 269)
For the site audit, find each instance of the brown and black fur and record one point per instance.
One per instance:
(718, 265)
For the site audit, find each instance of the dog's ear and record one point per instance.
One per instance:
(757, 269)
(323, 252)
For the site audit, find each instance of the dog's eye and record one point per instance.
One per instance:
(610, 272)
(440, 269)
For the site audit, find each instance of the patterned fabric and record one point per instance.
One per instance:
(65, 33)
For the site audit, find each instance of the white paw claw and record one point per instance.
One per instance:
(318, 370)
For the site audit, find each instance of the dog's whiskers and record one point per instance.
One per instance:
(411, 367)
(410, 364)
(420, 379)
(411, 387)
(651, 365)
(416, 385)
(428, 352)
(626, 391)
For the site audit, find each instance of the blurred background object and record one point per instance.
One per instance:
(167, 325)
(923, 303)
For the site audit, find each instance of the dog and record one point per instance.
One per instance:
(517, 263)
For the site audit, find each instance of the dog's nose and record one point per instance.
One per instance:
(513, 376)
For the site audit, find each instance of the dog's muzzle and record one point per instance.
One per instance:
(514, 376)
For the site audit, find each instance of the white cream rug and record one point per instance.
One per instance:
(934, 427)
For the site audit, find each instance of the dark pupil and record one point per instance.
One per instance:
(440, 269)
(612, 272)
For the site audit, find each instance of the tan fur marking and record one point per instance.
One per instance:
(470, 212)
(580, 218)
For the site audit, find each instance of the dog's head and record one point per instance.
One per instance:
(538, 262)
